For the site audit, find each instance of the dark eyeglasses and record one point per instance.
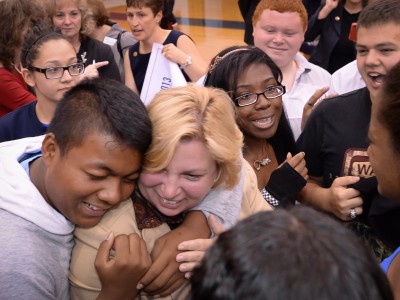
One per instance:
(57, 72)
(271, 92)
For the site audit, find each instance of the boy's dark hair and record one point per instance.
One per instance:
(105, 106)
(38, 33)
(292, 254)
(389, 106)
(379, 12)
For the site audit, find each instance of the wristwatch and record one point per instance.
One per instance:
(188, 62)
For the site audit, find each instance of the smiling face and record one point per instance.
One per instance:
(142, 22)
(384, 159)
(68, 18)
(53, 53)
(90, 179)
(184, 183)
(377, 53)
(259, 120)
(280, 35)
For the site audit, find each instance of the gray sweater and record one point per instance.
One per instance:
(36, 240)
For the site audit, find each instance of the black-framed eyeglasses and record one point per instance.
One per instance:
(74, 69)
(271, 92)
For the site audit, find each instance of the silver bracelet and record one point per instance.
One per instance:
(269, 198)
(188, 62)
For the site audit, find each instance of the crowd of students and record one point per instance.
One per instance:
(272, 178)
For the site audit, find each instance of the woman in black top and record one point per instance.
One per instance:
(73, 18)
(332, 23)
(144, 17)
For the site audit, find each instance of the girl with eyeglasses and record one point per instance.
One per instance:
(50, 68)
(253, 82)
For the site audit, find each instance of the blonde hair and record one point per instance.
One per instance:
(191, 112)
(282, 6)
(88, 23)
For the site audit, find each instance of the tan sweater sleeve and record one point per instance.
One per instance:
(253, 201)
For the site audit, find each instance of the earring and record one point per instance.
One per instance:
(219, 174)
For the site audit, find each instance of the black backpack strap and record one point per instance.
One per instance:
(119, 46)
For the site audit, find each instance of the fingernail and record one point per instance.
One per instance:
(181, 247)
(156, 296)
(110, 236)
(139, 286)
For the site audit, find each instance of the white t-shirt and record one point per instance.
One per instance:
(309, 78)
(347, 79)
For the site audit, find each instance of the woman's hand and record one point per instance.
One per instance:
(91, 70)
(328, 7)
(298, 163)
(164, 277)
(331, 4)
(174, 54)
(194, 250)
(315, 99)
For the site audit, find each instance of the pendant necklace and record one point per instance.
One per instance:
(257, 164)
